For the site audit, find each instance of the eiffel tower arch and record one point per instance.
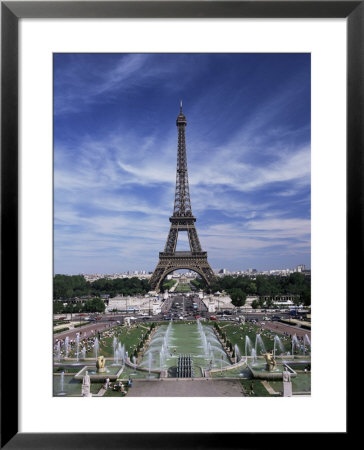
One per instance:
(182, 219)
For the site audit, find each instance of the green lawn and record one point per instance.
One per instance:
(301, 383)
(236, 333)
(258, 389)
(129, 336)
(72, 386)
(69, 369)
(183, 287)
(168, 284)
(112, 393)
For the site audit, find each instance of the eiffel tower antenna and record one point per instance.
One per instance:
(182, 219)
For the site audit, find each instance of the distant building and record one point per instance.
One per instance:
(281, 300)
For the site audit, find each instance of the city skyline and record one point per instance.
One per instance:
(115, 149)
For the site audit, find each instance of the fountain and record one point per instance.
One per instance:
(202, 337)
(61, 385)
(78, 346)
(66, 346)
(306, 341)
(236, 353)
(96, 347)
(254, 356)
(196, 340)
(58, 351)
(173, 346)
(135, 365)
(122, 353)
(185, 367)
(118, 353)
(280, 345)
(149, 362)
(259, 343)
(270, 369)
(162, 356)
(210, 344)
(295, 344)
(248, 346)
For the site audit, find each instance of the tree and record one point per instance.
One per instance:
(306, 297)
(58, 307)
(251, 288)
(237, 296)
(94, 305)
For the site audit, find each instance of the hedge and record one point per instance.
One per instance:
(81, 324)
(60, 330)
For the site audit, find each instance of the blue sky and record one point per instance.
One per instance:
(115, 149)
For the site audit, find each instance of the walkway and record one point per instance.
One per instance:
(85, 331)
(186, 388)
(279, 327)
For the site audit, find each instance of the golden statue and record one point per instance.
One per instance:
(271, 362)
(100, 364)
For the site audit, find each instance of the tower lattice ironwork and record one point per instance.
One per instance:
(182, 220)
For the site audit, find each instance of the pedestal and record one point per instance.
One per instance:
(86, 390)
(287, 389)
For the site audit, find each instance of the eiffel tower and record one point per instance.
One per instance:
(181, 220)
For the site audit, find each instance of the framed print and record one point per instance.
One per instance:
(271, 92)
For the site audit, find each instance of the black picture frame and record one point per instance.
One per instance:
(11, 12)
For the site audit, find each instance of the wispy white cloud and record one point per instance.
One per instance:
(114, 188)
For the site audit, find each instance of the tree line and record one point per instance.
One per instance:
(91, 305)
(72, 286)
(238, 288)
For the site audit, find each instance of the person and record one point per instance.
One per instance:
(252, 388)
(107, 381)
(130, 382)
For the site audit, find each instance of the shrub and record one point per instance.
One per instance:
(61, 329)
(81, 324)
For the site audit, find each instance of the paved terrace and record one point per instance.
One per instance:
(186, 388)
(279, 327)
(85, 331)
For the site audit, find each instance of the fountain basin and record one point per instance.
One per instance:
(191, 339)
(112, 372)
(260, 372)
